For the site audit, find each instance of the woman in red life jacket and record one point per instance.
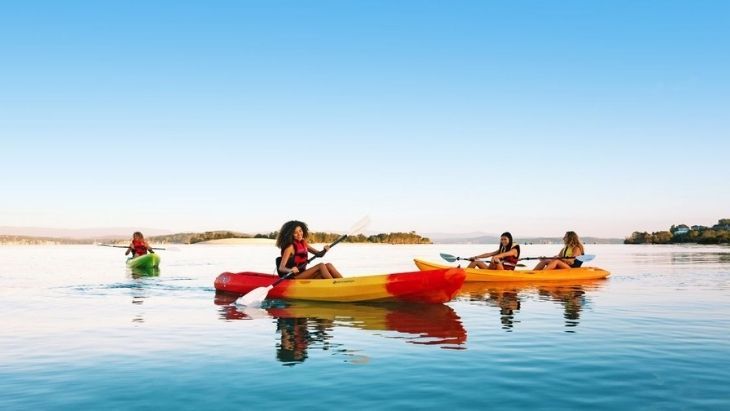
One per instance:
(138, 246)
(292, 240)
(566, 256)
(505, 258)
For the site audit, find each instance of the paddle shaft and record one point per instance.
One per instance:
(484, 261)
(334, 243)
(124, 246)
(584, 258)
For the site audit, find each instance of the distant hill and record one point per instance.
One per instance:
(83, 233)
(193, 238)
(29, 240)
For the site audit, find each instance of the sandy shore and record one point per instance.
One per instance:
(229, 241)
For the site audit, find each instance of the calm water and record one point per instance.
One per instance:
(80, 331)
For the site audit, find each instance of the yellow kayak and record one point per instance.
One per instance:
(433, 286)
(476, 274)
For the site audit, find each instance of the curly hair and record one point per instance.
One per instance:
(286, 234)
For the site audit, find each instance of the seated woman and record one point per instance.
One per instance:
(505, 258)
(292, 240)
(566, 257)
(138, 246)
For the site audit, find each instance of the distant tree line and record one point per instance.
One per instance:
(383, 238)
(30, 240)
(192, 238)
(682, 233)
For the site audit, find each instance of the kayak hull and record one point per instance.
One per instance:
(146, 261)
(432, 286)
(476, 275)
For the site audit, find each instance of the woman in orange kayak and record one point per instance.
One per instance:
(139, 246)
(566, 257)
(505, 258)
(292, 240)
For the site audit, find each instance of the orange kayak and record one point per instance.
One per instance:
(476, 274)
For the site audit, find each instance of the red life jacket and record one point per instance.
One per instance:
(301, 254)
(511, 261)
(298, 259)
(138, 247)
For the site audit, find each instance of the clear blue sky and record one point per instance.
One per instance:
(536, 117)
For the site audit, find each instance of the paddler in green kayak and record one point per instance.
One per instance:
(292, 240)
(139, 246)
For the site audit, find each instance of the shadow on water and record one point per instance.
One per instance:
(302, 325)
(508, 297)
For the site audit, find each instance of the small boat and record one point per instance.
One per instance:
(432, 286)
(149, 260)
(477, 274)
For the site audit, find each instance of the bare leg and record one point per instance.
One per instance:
(541, 265)
(333, 271)
(478, 264)
(557, 264)
(318, 271)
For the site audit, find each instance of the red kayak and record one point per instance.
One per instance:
(431, 286)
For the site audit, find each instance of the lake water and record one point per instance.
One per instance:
(79, 331)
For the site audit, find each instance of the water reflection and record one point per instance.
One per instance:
(138, 287)
(302, 325)
(296, 335)
(508, 297)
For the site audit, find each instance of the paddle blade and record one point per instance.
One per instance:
(448, 257)
(255, 297)
(585, 257)
(359, 226)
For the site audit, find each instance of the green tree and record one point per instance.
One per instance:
(661, 237)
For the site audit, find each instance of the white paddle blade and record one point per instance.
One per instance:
(359, 226)
(585, 257)
(448, 257)
(254, 298)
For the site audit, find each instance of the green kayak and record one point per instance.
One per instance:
(144, 261)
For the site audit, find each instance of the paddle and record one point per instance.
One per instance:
(124, 246)
(450, 258)
(257, 295)
(583, 258)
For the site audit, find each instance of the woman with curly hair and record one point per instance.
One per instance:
(292, 240)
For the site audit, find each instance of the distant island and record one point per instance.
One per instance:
(682, 233)
(193, 238)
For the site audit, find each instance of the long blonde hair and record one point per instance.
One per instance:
(571, 240)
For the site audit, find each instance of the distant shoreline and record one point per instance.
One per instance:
(233, 241)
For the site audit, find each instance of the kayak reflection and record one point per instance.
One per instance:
(508, 297)
(140, 272)
(138, 287)
(300, 324)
